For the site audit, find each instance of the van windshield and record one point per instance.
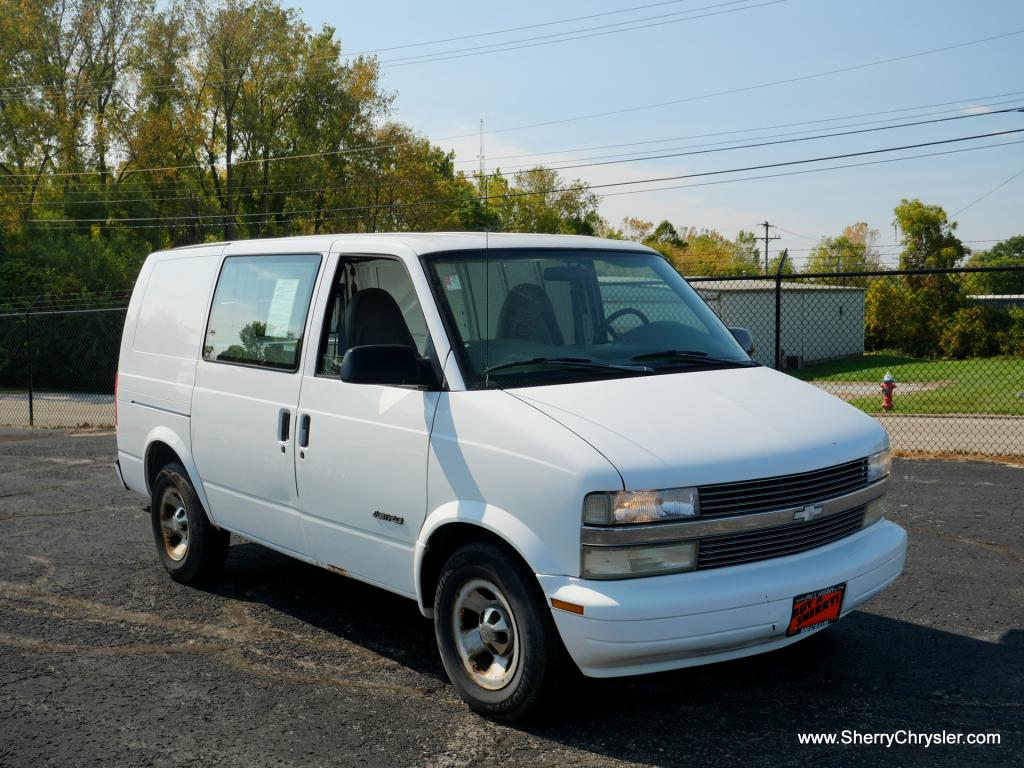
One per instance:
(533, 317)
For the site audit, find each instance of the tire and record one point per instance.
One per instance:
(191, 549)
(513, 668)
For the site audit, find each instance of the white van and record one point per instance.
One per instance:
(550, 443)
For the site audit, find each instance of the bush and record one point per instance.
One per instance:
(973, 332)
(1011, 340)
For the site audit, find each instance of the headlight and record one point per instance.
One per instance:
(879, 465)
(626, 507)
(629, 562)
(875, 511)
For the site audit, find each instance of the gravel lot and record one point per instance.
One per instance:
(106, 661)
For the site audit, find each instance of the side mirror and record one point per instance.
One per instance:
(394, 364)
(742, 335)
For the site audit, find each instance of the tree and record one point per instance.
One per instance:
(781, 263)
(540, 200)
(929, 239)
(636, 229)
(852, 251)
(1008, 253)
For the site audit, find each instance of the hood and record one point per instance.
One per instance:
(703, 427)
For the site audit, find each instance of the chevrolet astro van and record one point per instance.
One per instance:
(550, 443)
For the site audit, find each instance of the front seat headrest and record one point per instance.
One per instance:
(373, 317)
(527, 314)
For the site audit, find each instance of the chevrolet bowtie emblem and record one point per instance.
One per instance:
(809, 512)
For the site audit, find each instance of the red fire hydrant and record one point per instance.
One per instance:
(888, 385)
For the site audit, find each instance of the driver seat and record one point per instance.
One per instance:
(528, 315)
(374, 317)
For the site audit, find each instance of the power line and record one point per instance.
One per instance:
(534, 42)
(572, 187)
(511, 45)
(713, 94)
(516, 29)
(587, 165)
(796, 234)
(426, 43)
(784, 141)
(817, 170)
(767, 84)
(971, 100)
(646, 156)
(375, 147)
(994, 189)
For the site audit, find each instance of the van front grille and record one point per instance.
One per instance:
(751, 546)
(782, 492)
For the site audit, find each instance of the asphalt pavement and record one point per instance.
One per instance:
(104, 661)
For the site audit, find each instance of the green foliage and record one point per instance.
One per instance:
(930, 315)
(694, 251)
(928, 236)
(782, 261)
(1008, 253)
(1011, 340)
(201, 120)
(972, 332)
(852, 251)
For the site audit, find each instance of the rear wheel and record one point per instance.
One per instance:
(498, 642)
(190, 547)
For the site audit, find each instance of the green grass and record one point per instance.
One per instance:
(993, 385)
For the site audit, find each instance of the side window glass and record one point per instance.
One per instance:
(259, 310)
(373, 301)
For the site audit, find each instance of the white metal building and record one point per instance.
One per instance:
(819, 322)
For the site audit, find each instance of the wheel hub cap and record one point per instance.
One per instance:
(174, 524)
(485, 634)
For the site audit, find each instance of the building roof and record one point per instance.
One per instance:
(759, 284)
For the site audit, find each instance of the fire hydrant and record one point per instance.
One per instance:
(888, 385)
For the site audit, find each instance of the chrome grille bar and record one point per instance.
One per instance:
(730, 549)
(784, 491)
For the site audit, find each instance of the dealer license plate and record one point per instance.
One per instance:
(815, 609)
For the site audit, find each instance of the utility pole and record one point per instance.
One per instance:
(766, 239)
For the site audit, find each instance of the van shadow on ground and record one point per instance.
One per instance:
(869, 673)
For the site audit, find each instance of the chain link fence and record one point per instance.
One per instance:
(951, 339)
(57, 366)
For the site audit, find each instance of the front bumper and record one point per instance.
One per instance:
(636, 626)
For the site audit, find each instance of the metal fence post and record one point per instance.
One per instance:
(778, 311)
(28, 349)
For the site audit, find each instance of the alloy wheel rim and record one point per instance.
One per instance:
(485, 634)
(174, 524)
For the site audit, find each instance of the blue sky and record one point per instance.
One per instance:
(747, 43)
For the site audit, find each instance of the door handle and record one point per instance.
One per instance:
(304, 431)
(284, 425)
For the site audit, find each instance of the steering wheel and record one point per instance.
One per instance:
(644, 320)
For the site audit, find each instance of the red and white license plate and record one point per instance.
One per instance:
(815, 609)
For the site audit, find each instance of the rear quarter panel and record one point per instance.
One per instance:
(162, 339)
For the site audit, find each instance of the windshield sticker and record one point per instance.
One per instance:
(452, 283)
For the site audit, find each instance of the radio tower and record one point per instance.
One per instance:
(483, 166)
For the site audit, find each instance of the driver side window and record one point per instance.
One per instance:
(373, 301)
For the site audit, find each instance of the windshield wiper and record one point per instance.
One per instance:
(693, 356)
(569, 362)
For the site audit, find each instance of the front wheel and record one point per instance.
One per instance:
(191, 549)
(498, 642)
